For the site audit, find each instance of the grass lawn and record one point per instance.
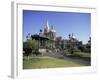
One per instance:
(82, 55)
(79, 54)
(46, 62)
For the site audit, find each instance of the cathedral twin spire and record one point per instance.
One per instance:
(47, 27)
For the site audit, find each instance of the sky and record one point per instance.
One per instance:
(64, 23)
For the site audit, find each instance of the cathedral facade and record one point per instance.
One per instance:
(57, 41)
(49, 31)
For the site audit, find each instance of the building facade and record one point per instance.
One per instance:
(57, 41)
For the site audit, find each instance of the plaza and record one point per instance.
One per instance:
(51, 46)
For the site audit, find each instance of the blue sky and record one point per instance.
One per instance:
(63, 22)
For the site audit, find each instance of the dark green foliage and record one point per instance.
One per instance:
(36, 52)
(29, 46)
(28, 51)
(81, 48)
(71, 50)
(49, 45)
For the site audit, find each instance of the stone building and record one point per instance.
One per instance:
(57, 41)
(72, 41)
(50, 33)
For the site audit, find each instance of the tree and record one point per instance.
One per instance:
(28, 46)
(87, 46)
(49, 46)
(71, 48)
(81, 47)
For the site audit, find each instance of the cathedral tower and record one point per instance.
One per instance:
(46, 27)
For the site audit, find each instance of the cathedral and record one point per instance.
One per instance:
(49, 31)
(57, 41)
